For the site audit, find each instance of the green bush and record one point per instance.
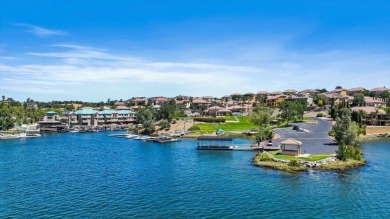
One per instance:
(209, 119)
(320, 115)
(346, 152)
(194, 128)
(265, 157)
(294, 163)
(164, 124)
(332, 133)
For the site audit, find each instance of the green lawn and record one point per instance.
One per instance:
(243, 124)
(313, 157)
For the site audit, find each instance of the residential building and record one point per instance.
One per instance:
(290, 92)
(198, 104)
(379, 91)
(374, 101)
(330, 98)
(355, 90)
(51, 122)
(274, 101)
(372, 115)
(275, 93)
(160, 101)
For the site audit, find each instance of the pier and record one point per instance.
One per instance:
(226, 143)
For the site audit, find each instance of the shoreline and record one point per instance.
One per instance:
(267, 160)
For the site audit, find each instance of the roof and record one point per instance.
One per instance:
(262, 92)
(235, 94)
(291, 141)
(356, 89)
(249, 94)
(380, 89)
(122, 107)
(162, 99)
(339, 90)
(85, 112)
(106, 112)
(309, 91)
(290, 91)
(199, 101)
(275, 92)
(119, 103)
(214, 138)
(214, 108)
(51, 112)
(372, 100)
(369, 109)
(121, 112)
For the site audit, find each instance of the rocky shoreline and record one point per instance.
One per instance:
(326, 164)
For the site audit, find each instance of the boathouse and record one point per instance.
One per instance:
(291, 147)
(215, 143)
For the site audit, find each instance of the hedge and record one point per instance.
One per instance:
(209, 119)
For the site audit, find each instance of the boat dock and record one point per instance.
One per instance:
(226, 143)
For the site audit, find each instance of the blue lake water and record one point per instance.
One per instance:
(90, 175)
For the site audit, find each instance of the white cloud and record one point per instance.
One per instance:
(39, 31)
(87, 73)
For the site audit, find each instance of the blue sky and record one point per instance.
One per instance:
(95, 50)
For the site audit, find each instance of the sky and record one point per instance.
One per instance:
(94, 50)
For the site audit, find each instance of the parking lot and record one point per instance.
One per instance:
(314, 138)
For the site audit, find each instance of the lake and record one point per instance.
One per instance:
(91, 175)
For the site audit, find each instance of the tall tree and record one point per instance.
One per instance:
(344, 131)
(358, 99)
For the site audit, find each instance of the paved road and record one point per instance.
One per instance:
(314, 141)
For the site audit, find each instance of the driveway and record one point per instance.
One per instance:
(314, 140)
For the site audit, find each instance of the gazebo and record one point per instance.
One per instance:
(291, 147)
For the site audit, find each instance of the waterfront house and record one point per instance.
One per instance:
(50, 122)
(372, 115)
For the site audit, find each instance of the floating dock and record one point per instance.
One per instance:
(226, 144)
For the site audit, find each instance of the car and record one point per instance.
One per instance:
(295, 127)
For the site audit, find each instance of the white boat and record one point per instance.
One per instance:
(165, 138)
(30, 135)
(131, 136)
(138, 137)
(8, 136)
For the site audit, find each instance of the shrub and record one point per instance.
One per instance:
(210, 120)
(332, 133)
(346, 152)
(164, 124)
(265, 156)
(294, 163)
(194, 128)
(320, 115)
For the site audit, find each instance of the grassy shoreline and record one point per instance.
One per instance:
(267, 161)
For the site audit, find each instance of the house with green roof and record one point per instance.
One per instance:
(92, 117)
